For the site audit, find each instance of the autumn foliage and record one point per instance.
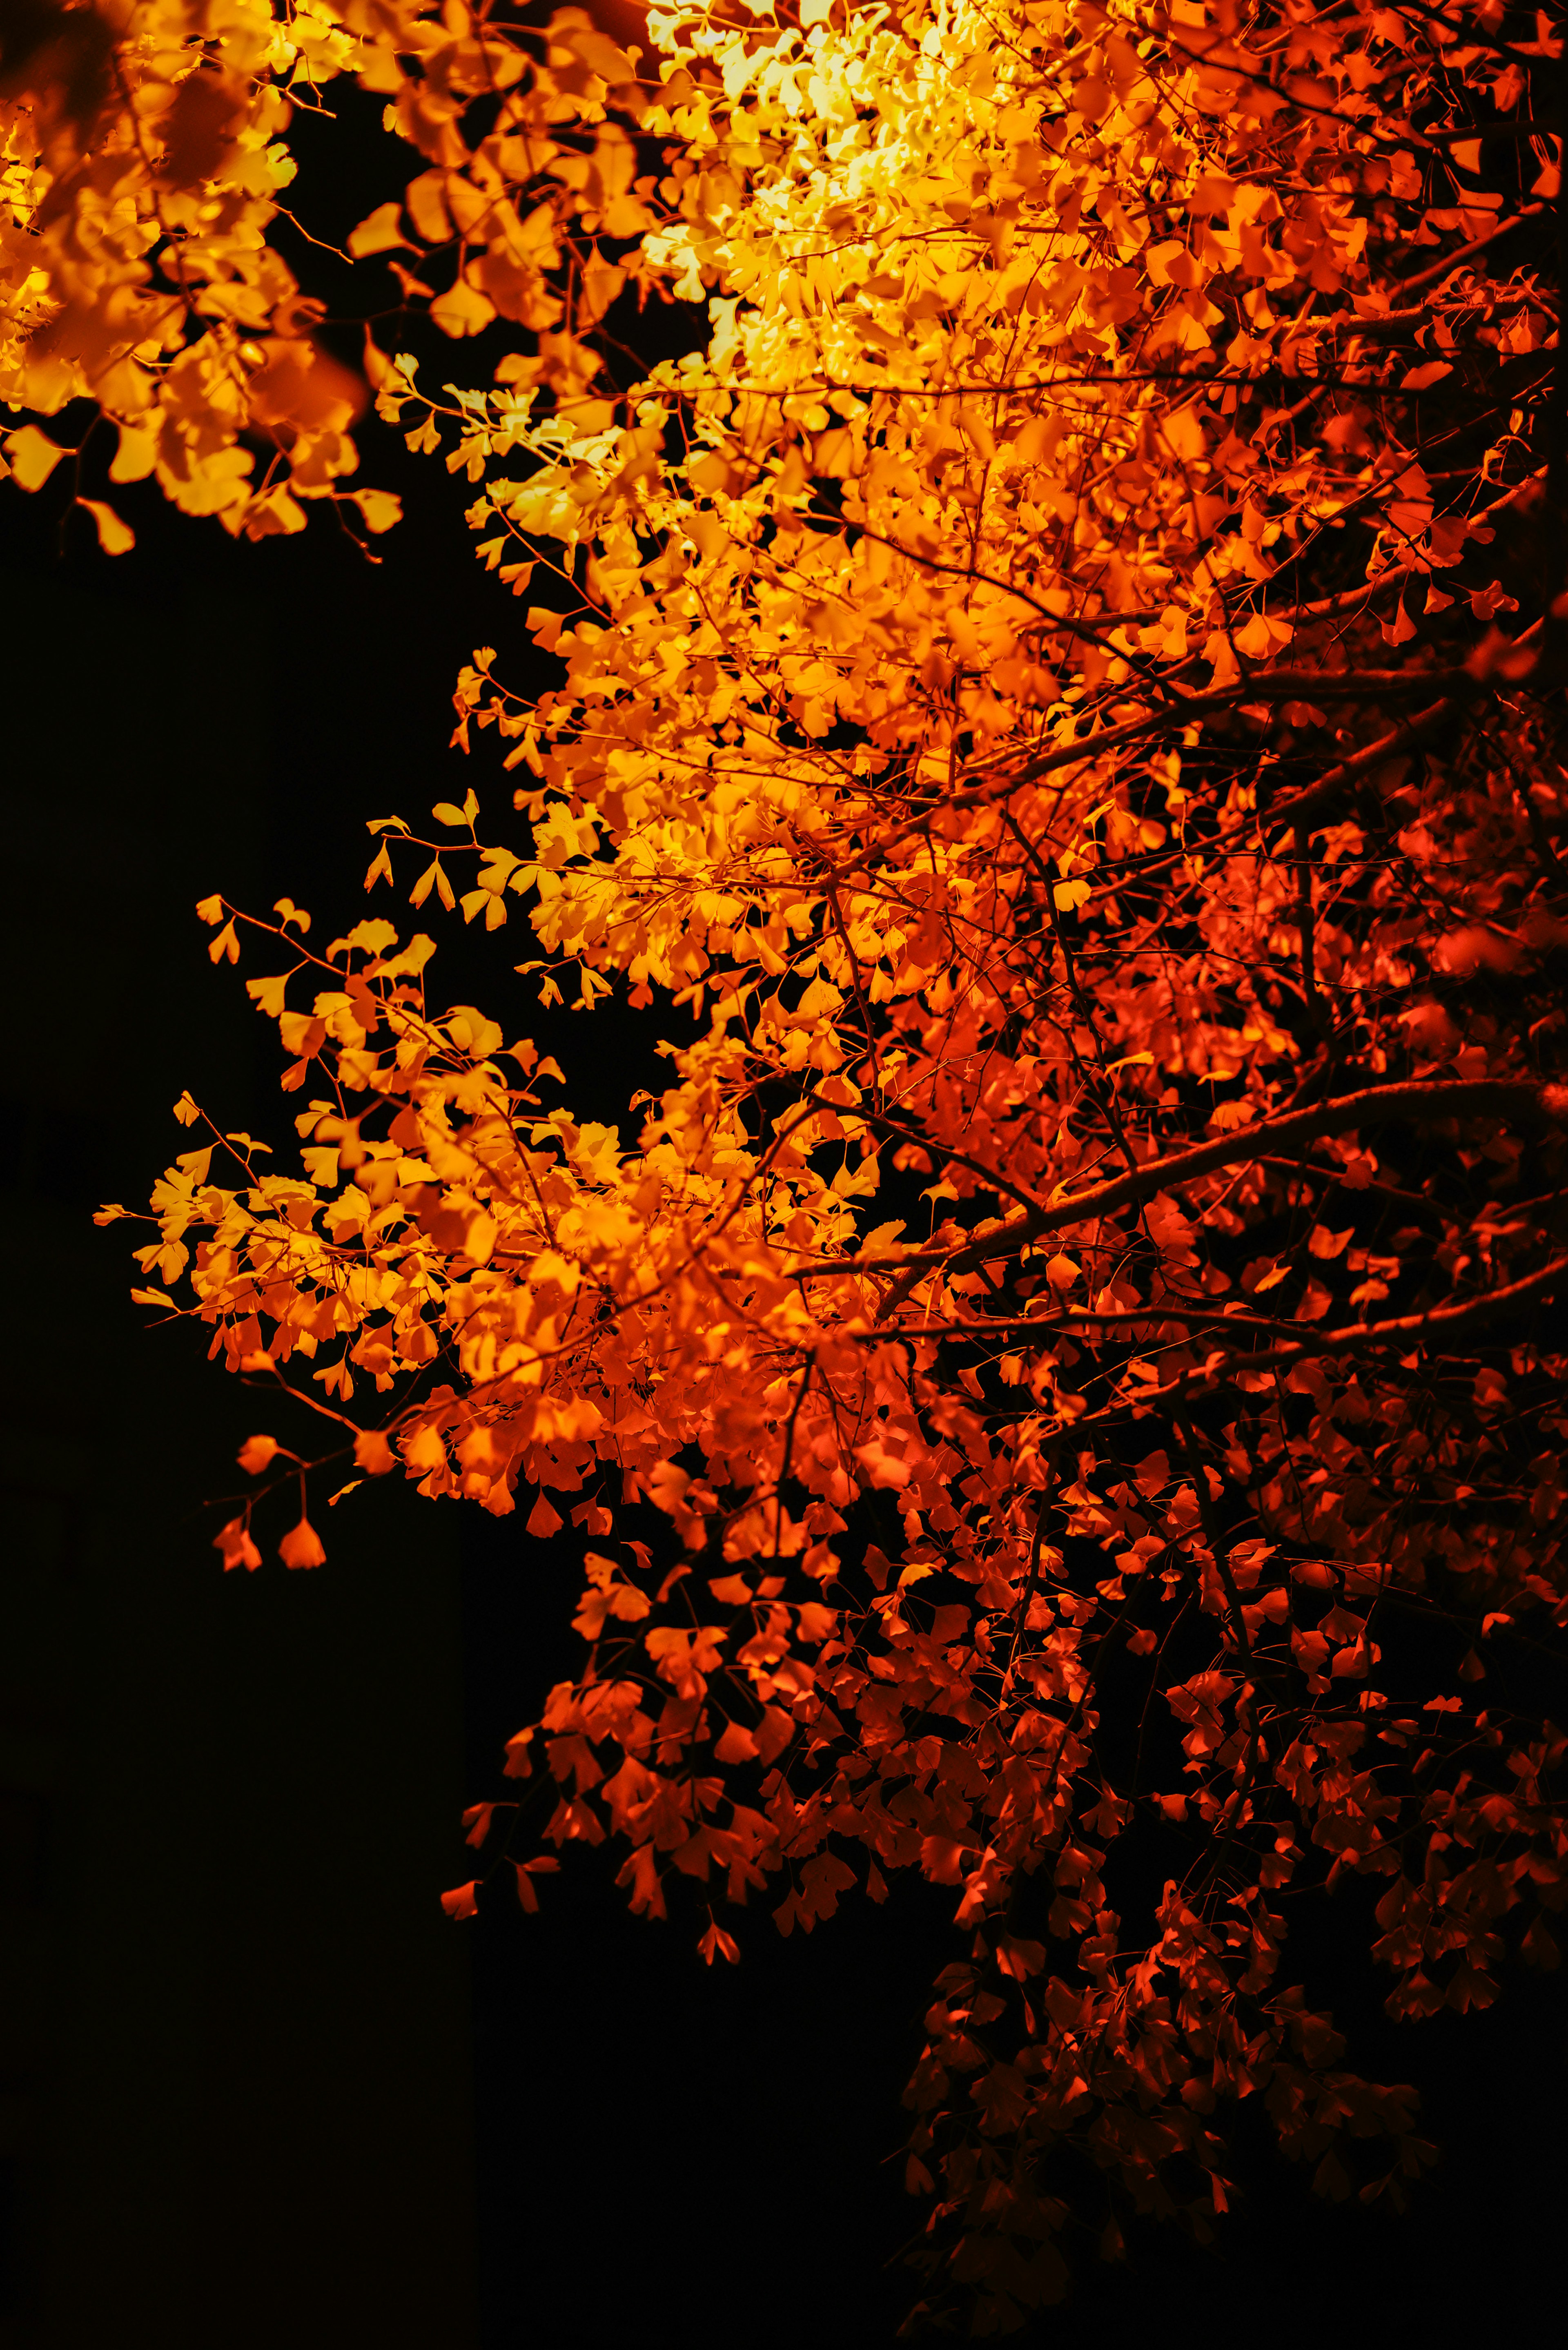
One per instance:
(1058, 710)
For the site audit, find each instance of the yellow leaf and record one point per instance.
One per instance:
(380, 232)
(381, 508)
(431, 878)
(135, 457)
(33, 455)
(462, 310)
(267, 995)
(114, 535)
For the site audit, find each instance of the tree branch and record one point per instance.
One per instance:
(1413, 1097)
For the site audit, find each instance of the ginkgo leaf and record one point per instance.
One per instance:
(1421, 379)
(462, 310)
(33, 456)
(382, 509)
(114, 535)
(236, 1546)
(544, 1520)
(381, 232)
(135, 457)
(269, 994)
(301, 1547)
(433, 877)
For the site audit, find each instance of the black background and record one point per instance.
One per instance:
(255, 2087)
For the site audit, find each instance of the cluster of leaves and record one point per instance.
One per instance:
(143, 158)
(1079, 1304)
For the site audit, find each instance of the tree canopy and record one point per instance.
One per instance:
(1057, 720)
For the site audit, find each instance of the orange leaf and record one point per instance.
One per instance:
(238, 1549)
(301, 1547)
(542, 1520)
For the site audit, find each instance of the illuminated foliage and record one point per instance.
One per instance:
(1058, 710)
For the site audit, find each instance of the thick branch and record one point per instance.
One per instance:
(1440, 1318)
(1291, 1339)
(1302, 806)
(1414, 1098)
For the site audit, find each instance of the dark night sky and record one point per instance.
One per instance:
(255, 2088)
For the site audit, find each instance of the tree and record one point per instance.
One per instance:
(1059, 719)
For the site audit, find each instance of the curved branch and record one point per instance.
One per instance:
(1412, 1097)
(1292, 1340)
